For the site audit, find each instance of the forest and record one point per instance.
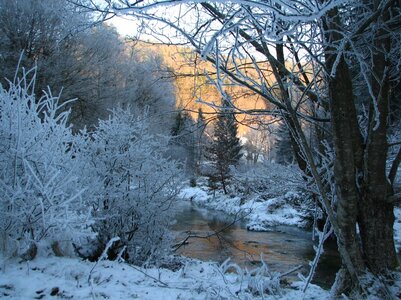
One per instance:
(222, 150)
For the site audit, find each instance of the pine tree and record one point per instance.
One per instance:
(284, 151)
(200, 138)
(179, 124)
(225, 148)
(183, 139)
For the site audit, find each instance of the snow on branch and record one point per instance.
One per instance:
(43, 196)
(290, 10)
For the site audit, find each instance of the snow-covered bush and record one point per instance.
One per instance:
(57, 186)
(267, 179)
(280, 190)
(41, 196)
(136, 188)
(259, 281)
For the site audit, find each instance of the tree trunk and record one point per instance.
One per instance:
(347, 146)
(376, 217)
(376, 221)
(361, 183)
(223, 183)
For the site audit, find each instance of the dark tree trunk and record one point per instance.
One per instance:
(376, 217)
(347, 142)
(347, 146)
(362, 186)
(223, 183)
(376, 221)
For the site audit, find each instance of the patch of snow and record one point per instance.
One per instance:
(193, 193)
(257, 227)
(259, 214)
(313, 292)
(282, 216)
(71, 278)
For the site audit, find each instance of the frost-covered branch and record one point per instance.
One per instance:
(43, 196)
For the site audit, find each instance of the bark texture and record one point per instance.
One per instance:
(362, 186)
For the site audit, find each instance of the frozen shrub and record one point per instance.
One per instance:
(41, 195)
(259, 281)
(114, 182)
(268, 179)
(136, 188)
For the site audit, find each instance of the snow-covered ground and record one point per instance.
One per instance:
(259, 215)
(71, 278)
(49, 277)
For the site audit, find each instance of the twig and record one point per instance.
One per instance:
(290, 271)
(147, 275)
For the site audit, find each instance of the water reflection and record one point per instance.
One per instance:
(282, 249)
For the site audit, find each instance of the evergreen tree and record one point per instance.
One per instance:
(183, 139)
(284, 151)
(200, 138)
(225, 148)
(178, 125)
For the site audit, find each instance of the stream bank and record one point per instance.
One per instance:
(282, 248)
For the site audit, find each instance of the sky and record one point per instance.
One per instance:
(125, 26)
(128, 26)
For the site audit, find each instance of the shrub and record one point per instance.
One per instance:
(114, 182)
(41, 194)
(137, 186)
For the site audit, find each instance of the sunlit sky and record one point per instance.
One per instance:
(125, 25)
(129, 27)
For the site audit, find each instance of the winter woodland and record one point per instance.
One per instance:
(274, 121)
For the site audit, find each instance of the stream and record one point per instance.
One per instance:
(283, 248)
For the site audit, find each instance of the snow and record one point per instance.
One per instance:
(264, 195)
(259, 215)
(274, 212)
(70, 278)
(194, 193)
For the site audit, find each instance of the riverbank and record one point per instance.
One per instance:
(261, 213)
(262, 199)
(71, 278)
(49, 277)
